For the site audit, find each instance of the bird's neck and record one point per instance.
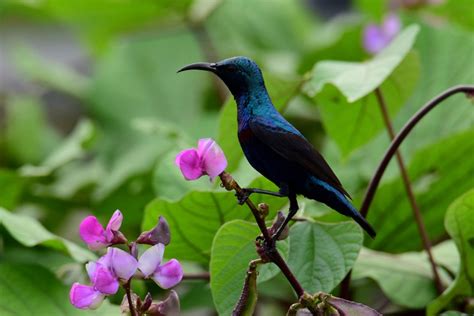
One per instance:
(253, 102)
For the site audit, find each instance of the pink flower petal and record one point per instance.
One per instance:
(214, 161)
(203, 146)
(169, 274)
(190, 164)
(391, 26)
(114, 225)
(92, 233)
(91, 268)
(374, 40)
(151, 259)
(122, 263)
(84, 296)
(104, 281)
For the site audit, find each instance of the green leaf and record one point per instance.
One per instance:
(137, 79)
(438, 174)
(321, 254)
(459, 223)
(441, 67)
(247, 26)
(29, 289)
(28, 137)
(232, 250)
(12, 185)
(51, 74)
(352, 125)
(30, 233)
(195, 218)
(72, 148)
(406, 278)
(97, 24)
(356, 80)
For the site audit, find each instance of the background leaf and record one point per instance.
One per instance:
(438, 171)
(459, 223)
(232, 250)
(356, 80)
(321, 254)
(195, 219)
(48, 296)
(352, 125)
(30, 233)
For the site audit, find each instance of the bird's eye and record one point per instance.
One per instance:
(231, 68)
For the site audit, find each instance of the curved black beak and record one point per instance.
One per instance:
(200, 66)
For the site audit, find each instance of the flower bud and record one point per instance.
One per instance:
(276, 225)
(160, 234)
(168, 307)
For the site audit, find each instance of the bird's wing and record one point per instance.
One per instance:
(296, 148)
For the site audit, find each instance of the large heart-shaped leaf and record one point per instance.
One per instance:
(30, 233)
(195, 218)
(321, 254)
(406, 279)
(356, 80)
(352, 125)
(232, 250)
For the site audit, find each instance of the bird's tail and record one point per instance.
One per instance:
(363, 223)
(323, 192)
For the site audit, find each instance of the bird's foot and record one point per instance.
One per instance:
(243, 196)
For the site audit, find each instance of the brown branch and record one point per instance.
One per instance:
(230, 184)
(126, 286)
(408, 188)
(197, 276)
(392, 149)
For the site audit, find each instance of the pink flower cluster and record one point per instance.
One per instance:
(118, 266)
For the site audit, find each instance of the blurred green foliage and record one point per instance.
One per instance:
(92, 114)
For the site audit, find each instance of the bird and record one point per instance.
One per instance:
(275, 148)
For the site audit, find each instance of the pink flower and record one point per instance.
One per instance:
(207, 159)
(104, 274)
(94, 234)
(165, 275)
(377, 37)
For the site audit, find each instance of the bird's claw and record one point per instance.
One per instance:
(243, 196)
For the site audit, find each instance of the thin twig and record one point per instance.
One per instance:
(126, 286)
(197, 276)
(392, 149)
(411, 196)
(230, 184)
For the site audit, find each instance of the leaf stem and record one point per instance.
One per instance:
(409, 190)
(197, 276)
(397, 141)
(392, 149)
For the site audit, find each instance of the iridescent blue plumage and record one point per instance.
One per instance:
(274, 147)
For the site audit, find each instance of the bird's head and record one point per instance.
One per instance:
(240, 74)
